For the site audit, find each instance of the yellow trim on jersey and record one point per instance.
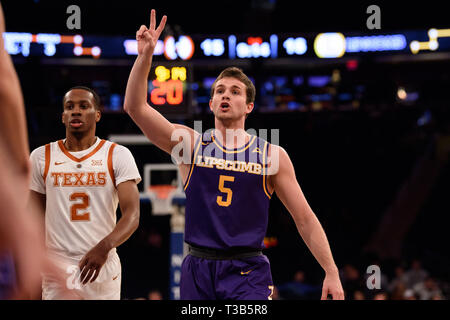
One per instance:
(229, 165)
(217, 143)
(265, 171)
(193, 162)
(256, 150)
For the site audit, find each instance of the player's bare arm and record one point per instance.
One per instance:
(285, 184)
(37, 202)
(19, 233)
(94, 260)
(13, 127)
(39, 199)
(157, 128)
(19, 228)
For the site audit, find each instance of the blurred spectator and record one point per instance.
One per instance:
(298, 289)
(400, 279)
(410, 295)
(355, 287)
(437, 297)
(416, 273)
(359, 295)
(398, 290)
(155, 294)
(428, 289)
(380, 295)
(351, 280)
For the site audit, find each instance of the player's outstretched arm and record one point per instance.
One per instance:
(289, 192)
(157, 128)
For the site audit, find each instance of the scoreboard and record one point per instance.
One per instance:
(168, 90)
(184, 66)
(244, 46)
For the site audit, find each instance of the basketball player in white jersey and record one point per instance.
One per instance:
(79, 181)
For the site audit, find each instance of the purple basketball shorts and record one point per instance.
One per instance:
(243, 279)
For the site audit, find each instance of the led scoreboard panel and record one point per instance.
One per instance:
(175, 92)
(243, 46)
(168, 90)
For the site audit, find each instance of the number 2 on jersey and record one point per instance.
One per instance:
(74, 214)
(220, 201)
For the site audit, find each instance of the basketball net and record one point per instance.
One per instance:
(161, 196)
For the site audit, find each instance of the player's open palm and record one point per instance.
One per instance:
(92, 263)
(147, 37)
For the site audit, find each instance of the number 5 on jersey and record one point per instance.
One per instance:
(74, 214)
(229, 193)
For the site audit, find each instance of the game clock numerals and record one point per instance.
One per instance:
(168, 91)
(168, 86)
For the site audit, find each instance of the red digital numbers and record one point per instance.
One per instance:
(170, 92)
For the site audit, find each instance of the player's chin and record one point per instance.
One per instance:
(224, 115)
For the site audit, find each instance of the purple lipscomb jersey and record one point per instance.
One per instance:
(227, 200)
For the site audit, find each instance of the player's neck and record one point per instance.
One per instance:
(229, 124)
(231, 135)
(79, 143)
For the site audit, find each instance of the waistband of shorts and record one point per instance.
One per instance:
(229, 254)
(74, 258)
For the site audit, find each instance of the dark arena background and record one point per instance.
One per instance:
(363, 113)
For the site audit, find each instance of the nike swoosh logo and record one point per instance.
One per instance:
(58, 163)
(115, 277)
(246, 272)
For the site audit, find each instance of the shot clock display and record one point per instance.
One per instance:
(168, 90)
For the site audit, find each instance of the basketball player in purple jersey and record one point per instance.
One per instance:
(229, 179)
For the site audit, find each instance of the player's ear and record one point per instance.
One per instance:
(250, 107)
(62, 117)
(98, 116)
(210, 104)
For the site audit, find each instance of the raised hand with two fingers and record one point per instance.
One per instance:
(147, 37)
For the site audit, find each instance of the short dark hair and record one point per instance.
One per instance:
(97, 100)
(237, 73)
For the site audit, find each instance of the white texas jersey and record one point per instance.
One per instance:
(81, 194)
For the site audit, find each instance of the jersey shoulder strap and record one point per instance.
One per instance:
(110, 162)
(47, 161)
